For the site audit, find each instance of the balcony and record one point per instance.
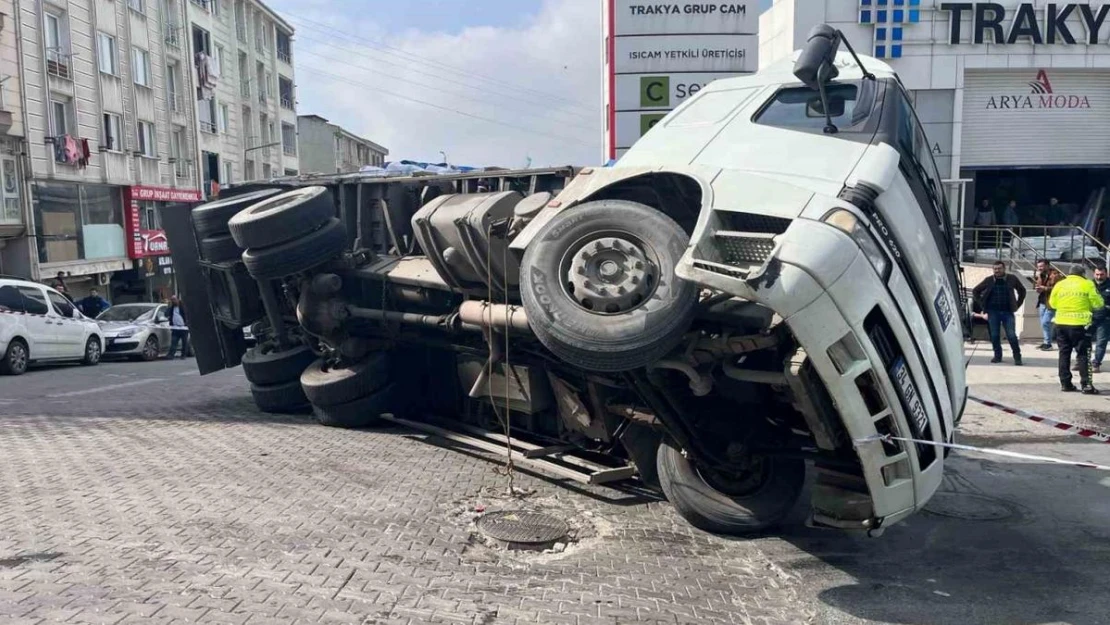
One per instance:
(173, 40)
(241, 32)
(207, 127)
(177, 103)
(262, 97)
(285, 56)
(289, 149)
(260, 45)
(57, 64)
(245, 88)
(287, 103)
(181, 169)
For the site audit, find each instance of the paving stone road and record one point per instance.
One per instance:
(143, 493)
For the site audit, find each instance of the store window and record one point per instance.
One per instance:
(10, 211)
(78, 222)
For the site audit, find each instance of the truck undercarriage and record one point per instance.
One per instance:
(709, 323)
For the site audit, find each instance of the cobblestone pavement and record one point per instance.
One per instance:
(143, 493)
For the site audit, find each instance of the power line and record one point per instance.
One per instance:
(394, 51)
(346, 80)
(437, 88)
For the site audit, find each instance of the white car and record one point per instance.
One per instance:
(38, 324)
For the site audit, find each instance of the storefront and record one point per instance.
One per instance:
(1013, 96)
(151, 276)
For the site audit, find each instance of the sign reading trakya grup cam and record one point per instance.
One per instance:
(636, 17)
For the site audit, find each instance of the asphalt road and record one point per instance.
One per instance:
(142, 492)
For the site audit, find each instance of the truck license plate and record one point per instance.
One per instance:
(910, 399)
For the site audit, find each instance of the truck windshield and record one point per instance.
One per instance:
(800, 108)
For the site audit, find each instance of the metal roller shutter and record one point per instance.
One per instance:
(1036, 117)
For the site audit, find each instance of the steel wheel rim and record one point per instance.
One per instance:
(585, 283)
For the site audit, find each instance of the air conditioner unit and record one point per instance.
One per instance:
(102, 279)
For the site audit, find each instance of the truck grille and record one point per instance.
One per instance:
(744, 249)
(752, 222)
(909, 396)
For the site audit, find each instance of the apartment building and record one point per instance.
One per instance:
(242, 65)
(105, 133)
(15, 253)
(328, 148)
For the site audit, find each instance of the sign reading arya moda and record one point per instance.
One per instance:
(1041, 95)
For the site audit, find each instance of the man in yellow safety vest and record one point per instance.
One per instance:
(1075, 299)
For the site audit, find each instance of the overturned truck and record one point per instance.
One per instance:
(766, 280)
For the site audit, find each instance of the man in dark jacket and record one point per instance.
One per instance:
(1101, 320)
(179, 327)
(1000, 296)
(93, 305)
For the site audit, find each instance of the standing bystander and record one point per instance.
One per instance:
(1075, 298)
(1101, 319)
(999, 296)
(1043, 278)
(179, 327)
(93, 305)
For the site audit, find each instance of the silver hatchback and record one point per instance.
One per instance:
(135, 331)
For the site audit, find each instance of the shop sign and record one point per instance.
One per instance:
(1048, 25)
(164, 194)
(152, 266)
(1040, 97)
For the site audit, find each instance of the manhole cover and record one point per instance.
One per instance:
(969, 506)
(522, 527)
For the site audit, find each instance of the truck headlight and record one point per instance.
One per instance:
(851, 224)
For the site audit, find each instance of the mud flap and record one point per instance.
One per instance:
(215, 345)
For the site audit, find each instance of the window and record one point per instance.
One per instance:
(289, 139)
(57, 46)
(173, 89)
(136, 5)
(10, 299)
(60, 118)
(106, 54)
(147, 140)
(10, 211)
(222, 118)
(148, 216)
(62, 306)
(177, 151)
(140, 66)
(285, 92)
(112, 139)
(227, 173)
(214, 7)
(240, 21)
(34, 302)
(202, 41)
(266, 171)
(206, 113)
(290, 172)
(248, 170)
(800, 108)
(284, 48)
(219, 59)
(244, 78)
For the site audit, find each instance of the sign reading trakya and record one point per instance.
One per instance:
(658, 54)
(1052, 24)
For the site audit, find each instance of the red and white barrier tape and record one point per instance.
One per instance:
(995, 452)
(1059, 425)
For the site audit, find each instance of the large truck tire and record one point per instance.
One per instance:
(360, 413)
(761, 503)
(212, 218)
(330, 386)
(282, 218)
(308, 251)
(220, 248)
(264, 367)
(599, 286)
(280, 398)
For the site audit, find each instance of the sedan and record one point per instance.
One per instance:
(135, 330)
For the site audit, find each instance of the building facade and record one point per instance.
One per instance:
(105, 136)
(327, 148)
(242, 65)
(1013, 95)
(15, 250)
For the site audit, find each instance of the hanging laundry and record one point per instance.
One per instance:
(213, 72)
(71, 150)
(85, 154)
(200, 60)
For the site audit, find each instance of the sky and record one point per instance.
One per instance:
(508, 83)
